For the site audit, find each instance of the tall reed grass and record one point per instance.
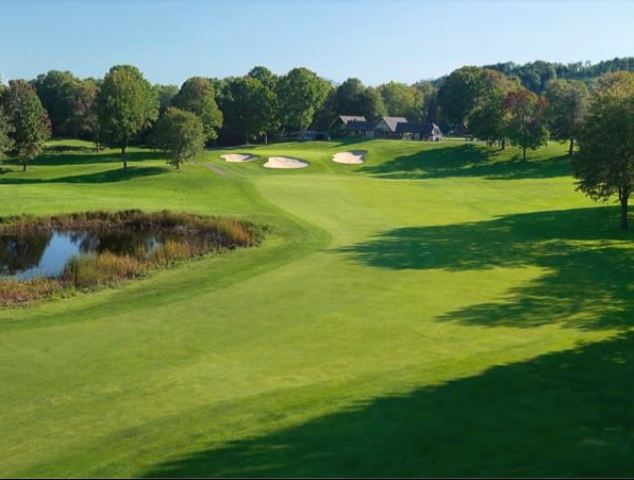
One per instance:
(187, 236)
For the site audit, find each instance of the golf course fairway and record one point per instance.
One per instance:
(443, 309)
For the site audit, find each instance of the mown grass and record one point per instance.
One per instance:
(441, 310)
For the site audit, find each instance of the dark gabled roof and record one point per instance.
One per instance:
(424, 128)
(357, 125)
(351, 118)
(392, 122)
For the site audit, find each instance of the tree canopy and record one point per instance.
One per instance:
(605, 164)
(249, 107)
(459, 93)
(179, 134)
(486, 120)
(301, 94)
(352, 97)
(567, 101)
(525, 120)
(30, 124)
(197, 95)
(125, 104)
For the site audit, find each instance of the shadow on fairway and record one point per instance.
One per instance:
(468, 161)
(109, 176)
(80, 158)
(588, 265)
(565, 414)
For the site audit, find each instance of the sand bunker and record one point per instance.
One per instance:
(285, 162)
(237, 157)
(354, 157)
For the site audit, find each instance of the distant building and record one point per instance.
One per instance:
(386, 127)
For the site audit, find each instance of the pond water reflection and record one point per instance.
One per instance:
(46, 253)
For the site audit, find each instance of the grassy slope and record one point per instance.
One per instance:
(441, 310)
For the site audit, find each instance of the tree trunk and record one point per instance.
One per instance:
(524, 154)
(624, 196)
(266, 138)
(572, 145)
(246, 138)
(24, 165)
(503, 143)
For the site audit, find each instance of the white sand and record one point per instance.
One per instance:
(354, 157)
(237, 157)
(285, 162)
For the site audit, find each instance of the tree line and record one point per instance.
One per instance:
(123, 109)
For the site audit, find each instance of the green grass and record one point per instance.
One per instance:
(442, 310)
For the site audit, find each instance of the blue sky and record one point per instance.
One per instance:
(373, 40)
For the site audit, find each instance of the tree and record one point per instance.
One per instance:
(264, 75)
(459, 92)
(126, 103)
(354, 98)
(197, 95)
(165, 94)
(30, 122)
(57, 92)
(269, 80)
(402, 100)
(249, 107)
(567, 101)
(179, 134)
(84, 122)
(301, 94)
(525, 122)
(486, 120)
(427, 101)
(605, 164)
(6, 129)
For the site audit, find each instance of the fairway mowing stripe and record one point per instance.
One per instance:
(217, 170)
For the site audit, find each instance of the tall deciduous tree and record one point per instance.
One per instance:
(354, 98)
(525, 120)
(197, 95)
(402, 100)
(605, 164)
(165, 95)
(57, 91)
(249, 107)
(84, 122)
(567, 101)
(126, 103)
(301, 94)
(30, 122)
(486, 120)
(264, 75)
(179, 134)
(6, 129)
(459, 92)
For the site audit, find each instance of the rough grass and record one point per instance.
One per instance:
(227, 232)
(441, 310)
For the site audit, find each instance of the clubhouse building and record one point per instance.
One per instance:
(386, 127)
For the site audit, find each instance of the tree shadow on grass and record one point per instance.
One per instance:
(81, 158)
(588, 265)
(468, 161)
(564, 414)
(109, 176)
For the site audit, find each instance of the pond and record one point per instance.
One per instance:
(45, 254)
